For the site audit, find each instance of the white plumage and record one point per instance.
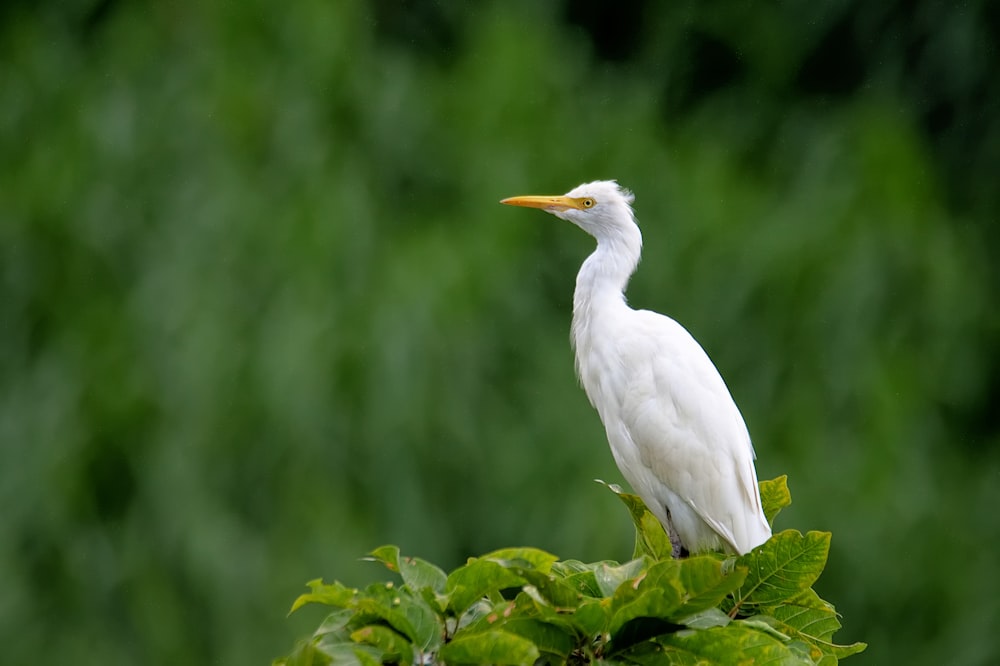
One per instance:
(675, 432)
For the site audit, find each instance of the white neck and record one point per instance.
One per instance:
(602, 279)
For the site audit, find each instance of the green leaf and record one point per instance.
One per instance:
(531, 604)
(706, 581)
(656, 593)
(416, 573)
(804, 651)
(488, 617)
(650, 537)
(403, 611)
(364, 656)
(348, 653)
(333, 594)
(394, 647)
(335, 623)
(556, 591)
(592, 616)
(781, 568)
(638, 630)
(650, 653)
(306, 653)
(580, 576)
(774, 496)
(489, 647)
(814, 621)
(609, 577)
(527, 558)
(764, 623)
(420, 574)
(472, 615)
(530, 615)
(706, 619)
(549, 638)
(472, 581)
(733, 643)
(387, 555)
(566, 568)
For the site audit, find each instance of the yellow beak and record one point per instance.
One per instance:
(545, 203)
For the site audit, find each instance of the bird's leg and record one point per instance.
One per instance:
(677, 549)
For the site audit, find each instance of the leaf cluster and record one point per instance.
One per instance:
(525, 606)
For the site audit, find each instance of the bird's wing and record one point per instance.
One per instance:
(689, 431)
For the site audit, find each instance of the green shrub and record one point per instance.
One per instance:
(525, 606)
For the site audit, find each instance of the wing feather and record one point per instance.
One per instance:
(690, 434)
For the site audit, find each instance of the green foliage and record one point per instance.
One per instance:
(774, 496)
(524, 606)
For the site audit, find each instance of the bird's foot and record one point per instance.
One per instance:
(677, 549)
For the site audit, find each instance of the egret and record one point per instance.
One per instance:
(675, 432)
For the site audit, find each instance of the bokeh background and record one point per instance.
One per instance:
(260, 311)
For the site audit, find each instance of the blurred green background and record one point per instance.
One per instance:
(260, 311)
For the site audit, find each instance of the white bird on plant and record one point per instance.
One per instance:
(675, 432)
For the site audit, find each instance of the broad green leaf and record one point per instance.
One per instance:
(782, 568)
(592, 616)
(609, 576)
(548, 638)
(472, 581)
(774, 496)
(655, 593)
(437, 601)
(764, 623)
(733, 643)
(349, 653)
(705, 582)
(638, 630)
(330, 642)
(581, 576)
(809, 599)
(805, 651)
(567, 568)
(365, 657)
(706, 619)
(403, 611)
(387, 555)
(584, 582)
(306, 653)
(335, 623)
(393, 646)
(556, 591)
(650, 537)
(651, 653)
(529, 603)
(428, 628)
(420, 574)
(814, 621)
(333, 594)
(489, 647)
(528, 558)
(491, 618)
(473, 614)
(539, 601)
(416, 573)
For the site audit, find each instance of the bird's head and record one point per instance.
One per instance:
(601, 208)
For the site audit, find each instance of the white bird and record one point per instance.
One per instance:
(675, 432)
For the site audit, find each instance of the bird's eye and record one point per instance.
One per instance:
(588, 203)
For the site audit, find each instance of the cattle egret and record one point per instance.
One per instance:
(675, 432)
